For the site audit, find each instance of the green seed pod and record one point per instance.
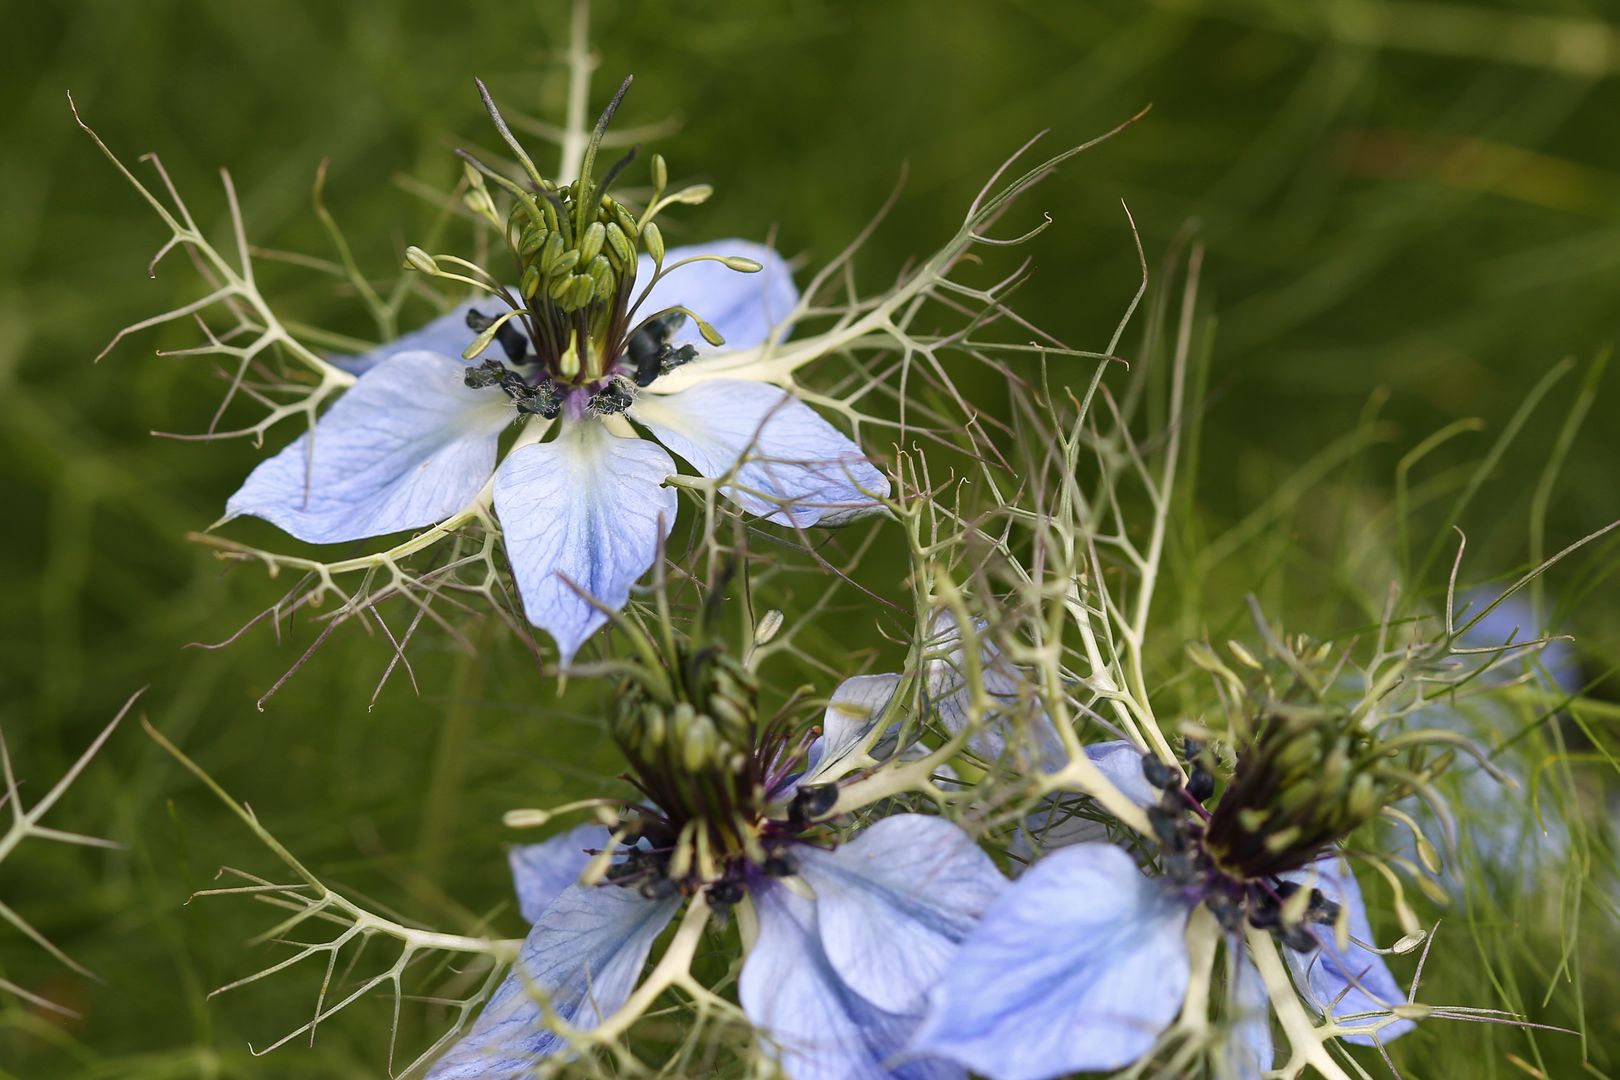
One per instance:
(603, 280)
(534, 237)
(618, 246)
(580, 290)
(552, 251)
(590, 244)
(627, 221)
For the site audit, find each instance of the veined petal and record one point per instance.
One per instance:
(1341, 983)
(589, 508)
(1079, 965)
(447, 335)
(853, 712)
(816, 1026)
(405, 447)
(796, 469)
(583, 958)
(541, 871)
(894, 903)
(745, 308)
(1014, 705)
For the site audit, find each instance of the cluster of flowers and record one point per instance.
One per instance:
(878, 940)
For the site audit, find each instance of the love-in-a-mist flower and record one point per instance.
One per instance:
(847, 938)
(600, 314)
(1083, 963)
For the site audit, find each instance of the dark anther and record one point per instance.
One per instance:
(1265, 913)
(1159, 774)
(1200, 783)
(1285, 889)
(726, 892)
(1299, 938)
(1321, 909)
(650, 351)
(513, 342)
(780, 865)
(1227, 909)
(487, 374)
(612, 399)
(811, 802)
(1167, 828)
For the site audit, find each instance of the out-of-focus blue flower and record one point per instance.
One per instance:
(850, 939)
(415, 440)
(1082, 963)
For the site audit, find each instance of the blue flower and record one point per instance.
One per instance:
(850, 939)
(415, 440)
(1083, 963)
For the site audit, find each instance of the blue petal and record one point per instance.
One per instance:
(1249, 1050)
(541, 871)
(448, 335)
(1015, 710)
(853, 712)
(894, 903)
(745, 308)
(816, 1026)
(584, 955)
(1326, 973)
(588, 507)
(405, 447)
(1079, 965)
(796, 469)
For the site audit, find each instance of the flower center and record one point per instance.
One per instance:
(696, 755)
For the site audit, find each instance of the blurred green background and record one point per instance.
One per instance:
(1414, 199)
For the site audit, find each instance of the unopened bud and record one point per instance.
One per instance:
(654, 239)
(591, 242)
(419, 260)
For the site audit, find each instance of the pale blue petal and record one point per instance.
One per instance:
(1249, 1050)
(1326, 973)
(588, 508)
(541, 871)
(585, 955)
(405, 447)
(853, 713)
(797, 469)
(894, 903)
(814, 1025)
(448, 335)
(1080, 964)
(745, 308)
(1014, 705)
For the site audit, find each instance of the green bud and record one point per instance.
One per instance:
(660, 173)
(419, 260)
(710, 334)
(695, 195)
(602, 277)
(565, 262)
(619, 247)
(591, 243)
(742, 265)
(626, 220)
(534, 237)
(654, 239)
(530, 284)
(559, 286)
(552, 251)
(581, 287)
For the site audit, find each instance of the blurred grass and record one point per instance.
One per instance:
(1422, 198)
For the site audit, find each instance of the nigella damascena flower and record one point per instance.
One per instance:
(850, 937)
(1083, 962)
(580, 347)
